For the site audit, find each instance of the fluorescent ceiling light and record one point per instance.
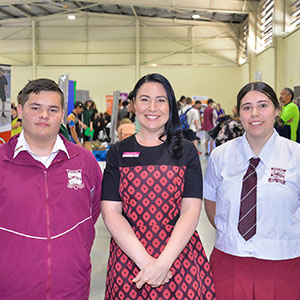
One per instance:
(71, 17)
(196, 16)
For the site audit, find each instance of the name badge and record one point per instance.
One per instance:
(131, 154)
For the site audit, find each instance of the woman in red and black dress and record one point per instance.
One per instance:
(151, 201)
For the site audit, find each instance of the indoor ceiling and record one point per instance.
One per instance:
(225, 11)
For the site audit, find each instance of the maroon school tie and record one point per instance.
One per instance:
(247, 218)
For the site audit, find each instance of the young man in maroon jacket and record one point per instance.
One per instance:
(49, 201)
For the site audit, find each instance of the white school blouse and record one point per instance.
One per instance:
(278, 193)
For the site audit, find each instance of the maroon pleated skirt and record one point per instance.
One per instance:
(248, 278)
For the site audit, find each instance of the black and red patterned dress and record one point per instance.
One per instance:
(151, 186)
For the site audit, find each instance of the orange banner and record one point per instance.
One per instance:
(109, 103)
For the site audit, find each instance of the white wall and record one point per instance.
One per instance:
(290, 59)
(99, 53)
(280, 65)
(244, 74)
(219, 83)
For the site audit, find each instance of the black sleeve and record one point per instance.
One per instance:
(111, 176)
(193, 185)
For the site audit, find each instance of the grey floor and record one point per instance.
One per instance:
(101, 247)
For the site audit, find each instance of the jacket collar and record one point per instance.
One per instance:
(22, 145)
(25, 158)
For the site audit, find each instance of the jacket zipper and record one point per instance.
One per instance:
(48, 235)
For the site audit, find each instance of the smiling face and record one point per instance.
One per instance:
(41, 116)
(152, 107)
(257, 114)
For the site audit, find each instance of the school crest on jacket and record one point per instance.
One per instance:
(75, 179)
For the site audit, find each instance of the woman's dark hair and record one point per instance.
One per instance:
(172, 129)
(259, 86)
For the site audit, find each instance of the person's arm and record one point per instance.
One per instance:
(71, 121)
(96, 192)
(126, 239)
(123, 234)
(212, 179)
(289, 113)
(210, 209)
(197, 124)
(197, 121)
(18, 124)
(5, 86)
(74, 135)
(155, 272)
(82, 124)
(215, 116)
(91, 125)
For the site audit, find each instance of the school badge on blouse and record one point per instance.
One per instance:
(277, 175)
(75, 179)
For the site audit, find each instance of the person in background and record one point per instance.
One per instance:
(209, 119)
(289, 114)
(181, 103)
(102, 133)
(63, 130)
(126, 129)
(96, 125)
(16, 122)
(3, 90)
(50, 200)
(74, 124)
(193, 119)
(123, 111)
(87, 117)
(251, 192)
(130, 107)
(220, 112)
(235, 114)
(131, 111)
(297, 102)
(151, 202)
(230, 128)
(107, 119)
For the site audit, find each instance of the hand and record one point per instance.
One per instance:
(154, 274)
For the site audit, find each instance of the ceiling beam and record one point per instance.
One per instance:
(228, 6)
(134, 11)
(197, 45)
(44, 9)
(22, 11)
(68, 10)
(7, 13)
(77, 4)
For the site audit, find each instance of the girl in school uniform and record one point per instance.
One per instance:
(252, 191)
